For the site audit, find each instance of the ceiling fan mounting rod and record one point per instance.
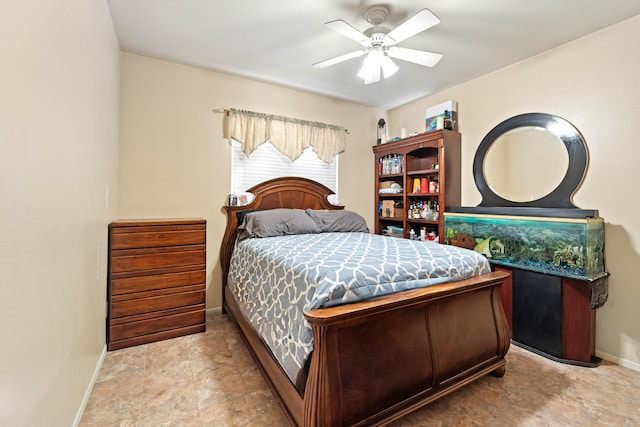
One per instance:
(376, 14)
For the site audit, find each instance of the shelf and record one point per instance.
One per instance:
(390, 195)
(423, 172)
(390, 175)
(422, 194)
(423, 221)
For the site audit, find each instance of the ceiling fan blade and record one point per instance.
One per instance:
(338, 59)
(347, 30)
(417, 23)
(428, 59)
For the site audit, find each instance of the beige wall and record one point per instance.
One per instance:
(593, 83)
(59, 157)
(58, 154)
(174, 161)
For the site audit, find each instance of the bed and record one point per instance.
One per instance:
(375, 360)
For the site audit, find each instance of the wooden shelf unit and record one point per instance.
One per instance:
(156, 282)
(419, 156)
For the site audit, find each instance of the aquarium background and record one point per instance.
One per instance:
(566, 247)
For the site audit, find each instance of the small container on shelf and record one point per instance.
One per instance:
(424, 185)
(417, 185)
(393, 231)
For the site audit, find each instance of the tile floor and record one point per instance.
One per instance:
(209, 379)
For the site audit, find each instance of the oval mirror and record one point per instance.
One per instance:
(520, 163)
(525, 163)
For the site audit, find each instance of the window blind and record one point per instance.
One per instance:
(266, 162)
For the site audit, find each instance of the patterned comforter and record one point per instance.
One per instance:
(275, 279)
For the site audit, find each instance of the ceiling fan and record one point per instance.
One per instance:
(379, 43)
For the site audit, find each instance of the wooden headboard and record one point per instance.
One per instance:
(287, 192)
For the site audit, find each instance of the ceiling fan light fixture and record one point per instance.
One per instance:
(376, 61)
(389, 68)
(370, 65)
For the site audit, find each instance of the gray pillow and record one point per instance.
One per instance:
(276, 222)
(338, 221)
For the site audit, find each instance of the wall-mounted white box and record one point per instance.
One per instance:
(432, 114)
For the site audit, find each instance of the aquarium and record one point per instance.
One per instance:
(566, 247)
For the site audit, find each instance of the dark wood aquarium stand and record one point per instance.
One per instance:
(551, 315)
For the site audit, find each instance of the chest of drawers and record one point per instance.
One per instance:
(156, 281)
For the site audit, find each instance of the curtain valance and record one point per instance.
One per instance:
(288, 135)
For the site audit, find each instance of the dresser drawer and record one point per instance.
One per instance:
(157, 336)
(157, 303)
(138, 260)
(172, 237)
(131, 285)
(150, 326)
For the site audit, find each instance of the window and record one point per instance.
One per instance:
(266, 163)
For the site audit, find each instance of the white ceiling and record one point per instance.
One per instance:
(276, 41)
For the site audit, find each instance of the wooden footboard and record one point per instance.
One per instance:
(374, 362)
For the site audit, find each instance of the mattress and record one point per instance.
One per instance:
(275, 279)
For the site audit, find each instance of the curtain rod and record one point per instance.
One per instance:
(281, 118)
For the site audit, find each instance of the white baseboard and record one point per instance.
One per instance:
(215, 310)
(618, 360)
(87, 393)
